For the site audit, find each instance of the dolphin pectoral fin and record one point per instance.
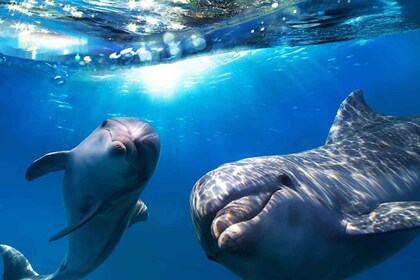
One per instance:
(387, 217)
(141, 213)
(51, 162)
(92, 212)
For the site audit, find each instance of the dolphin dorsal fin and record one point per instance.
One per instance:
(51, 162)
(353, 116)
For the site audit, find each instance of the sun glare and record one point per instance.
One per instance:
(165, 80)
(161, 80)
(42, 41)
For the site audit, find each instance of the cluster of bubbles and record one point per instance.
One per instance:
(169, 48)
(166, 48)
(161, 34)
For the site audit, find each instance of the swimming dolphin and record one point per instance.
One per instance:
(104, 177)
(325, 213)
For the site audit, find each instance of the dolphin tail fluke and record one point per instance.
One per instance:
(16, 266)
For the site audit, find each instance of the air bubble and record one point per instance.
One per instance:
(199, 43)
(114, 56)
(144, 55)
(58, 81)
(87, 59)
(175, 51)
(128, 52)
(168, 38)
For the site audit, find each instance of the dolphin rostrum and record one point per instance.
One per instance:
(325, 213)
(104, 177)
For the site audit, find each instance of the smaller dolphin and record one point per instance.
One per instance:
(104, 176)
(326, 213)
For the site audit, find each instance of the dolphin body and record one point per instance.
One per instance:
(104, 176)
(325, 213)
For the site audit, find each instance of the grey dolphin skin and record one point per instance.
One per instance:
(104, 177)
(326, 213)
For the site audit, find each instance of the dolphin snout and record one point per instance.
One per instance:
(118, 149)
(121, 146)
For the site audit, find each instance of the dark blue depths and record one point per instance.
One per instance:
(272, 101)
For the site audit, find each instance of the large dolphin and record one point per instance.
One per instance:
(104, 177)
(325, 213)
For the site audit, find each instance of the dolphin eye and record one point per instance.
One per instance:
(104, 123)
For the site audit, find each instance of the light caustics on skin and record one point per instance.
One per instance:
(261, 216)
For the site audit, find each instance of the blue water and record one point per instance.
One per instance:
(207, 110)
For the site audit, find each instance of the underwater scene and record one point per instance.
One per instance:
(209, 139)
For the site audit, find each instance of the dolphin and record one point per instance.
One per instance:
(103, 179)
(325, 213)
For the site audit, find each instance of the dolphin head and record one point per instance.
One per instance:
(121, 153)
(250, 217)
(227, 199)
(104, 176)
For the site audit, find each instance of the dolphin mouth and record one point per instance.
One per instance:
(232, 198)
(240, 210)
